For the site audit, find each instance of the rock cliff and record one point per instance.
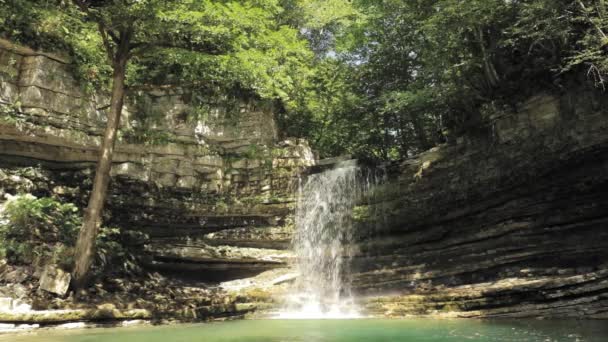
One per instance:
(509, 224)
(206, 178)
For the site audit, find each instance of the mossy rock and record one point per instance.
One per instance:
(64, 316)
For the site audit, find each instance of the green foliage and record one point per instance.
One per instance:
(146, 136)
(404, 75)
(38, 231)
(221, 47)
(565, 35)
(35, 230)
(118, 251)
(210, 44)
(374, 78)
(330, 112)
(51, 26)
(321, 22)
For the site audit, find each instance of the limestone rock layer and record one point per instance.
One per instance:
(208, 180)
(510, 224)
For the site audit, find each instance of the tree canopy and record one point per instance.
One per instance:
(187, 43)
(405, 75)
(219, 43)
(381, 79)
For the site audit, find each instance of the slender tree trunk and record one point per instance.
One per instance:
(85, 246)
(488, 67)
(386, 137)
(405, 144)
(420, 131)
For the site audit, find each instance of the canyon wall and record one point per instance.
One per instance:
(511, 223)
(206, 178)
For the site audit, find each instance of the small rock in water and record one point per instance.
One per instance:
(55, 280)
(133, 322)
(106, 306)
(6, 327)
(72, 325)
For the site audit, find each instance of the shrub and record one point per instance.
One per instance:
(35, 231)
(118, 250)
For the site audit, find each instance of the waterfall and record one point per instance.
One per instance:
(323, 243)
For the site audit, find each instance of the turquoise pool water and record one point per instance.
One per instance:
(338, 331)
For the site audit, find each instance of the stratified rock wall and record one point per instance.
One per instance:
(513, 224)
(206, 178)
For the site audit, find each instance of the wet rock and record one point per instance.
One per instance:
(55, 280)
(61, 316)
(134, 322)
(6, 327)
(227, 254)
(106, 306)
(512, 230)
(72, 325)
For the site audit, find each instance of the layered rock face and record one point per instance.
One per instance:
(508, 224)
(512, 224)
(208, 180)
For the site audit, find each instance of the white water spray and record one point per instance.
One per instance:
(323, 244)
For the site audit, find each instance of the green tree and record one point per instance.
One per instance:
(427, 71)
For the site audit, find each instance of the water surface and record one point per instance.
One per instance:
(339, 331)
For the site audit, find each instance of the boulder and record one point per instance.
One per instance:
(16, 276)
(55, 280)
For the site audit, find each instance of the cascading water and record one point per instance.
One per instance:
(323, 244)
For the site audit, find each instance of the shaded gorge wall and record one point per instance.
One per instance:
(511, 223)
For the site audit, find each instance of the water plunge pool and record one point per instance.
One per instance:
(338, 331)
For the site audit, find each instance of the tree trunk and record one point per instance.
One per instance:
(404, 143)
(420, 131)
(85, 246)
(492, 77)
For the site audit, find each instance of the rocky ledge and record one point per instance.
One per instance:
(26, 303)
